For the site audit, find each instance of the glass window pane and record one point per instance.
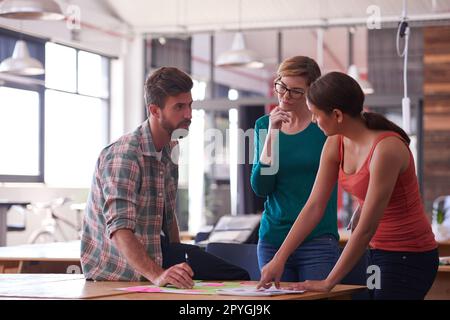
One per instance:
(76, 131)
(60, 67)
(19, 132)
(92, 74)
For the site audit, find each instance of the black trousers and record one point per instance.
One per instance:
(205, 266)
(404, 275)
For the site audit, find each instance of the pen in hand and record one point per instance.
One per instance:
(187, 261)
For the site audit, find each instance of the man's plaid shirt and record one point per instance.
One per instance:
(131, 189)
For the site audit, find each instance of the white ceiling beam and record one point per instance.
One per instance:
(266, 25)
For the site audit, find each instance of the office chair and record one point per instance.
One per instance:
(240, 254)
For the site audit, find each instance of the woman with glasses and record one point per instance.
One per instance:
(287, 155)
(370, 157)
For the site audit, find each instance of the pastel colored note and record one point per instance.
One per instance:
(143, 289)
(210, 284)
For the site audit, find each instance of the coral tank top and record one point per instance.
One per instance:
(404, 225)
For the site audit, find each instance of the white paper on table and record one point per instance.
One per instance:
(252, 291)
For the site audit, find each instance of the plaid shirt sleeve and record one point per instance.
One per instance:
(171, 190)
(121, 180)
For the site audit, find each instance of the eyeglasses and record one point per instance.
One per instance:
(293, 93)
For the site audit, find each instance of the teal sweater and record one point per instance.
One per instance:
(288, 189)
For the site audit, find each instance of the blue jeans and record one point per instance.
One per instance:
(312, 260)
(404, 275)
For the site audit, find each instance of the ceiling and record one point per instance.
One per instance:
(194, 16)
(261, 19)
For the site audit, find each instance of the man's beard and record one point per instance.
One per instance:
(179, 131)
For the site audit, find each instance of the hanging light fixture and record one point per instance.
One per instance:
(239, 56)
(31, 10)
(365, 85)
(21, 63)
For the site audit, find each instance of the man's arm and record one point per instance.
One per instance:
(179, 275)
(174, 231)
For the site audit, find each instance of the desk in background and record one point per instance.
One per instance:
(53, 257)
(70, 286)
(4, 208)
(441, 286)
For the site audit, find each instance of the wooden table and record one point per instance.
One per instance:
(340, 292)
(441, 286)
(72, 286)
(53, 257)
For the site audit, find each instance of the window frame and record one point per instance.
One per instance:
(106, 101)
(41, 90)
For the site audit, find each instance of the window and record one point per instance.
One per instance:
(53, 127)
(60, 67)
(76, 131)
(93, 75)
(21, 106)
(76, 114)
(19, 129)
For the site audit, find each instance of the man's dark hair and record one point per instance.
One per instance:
(164, 82)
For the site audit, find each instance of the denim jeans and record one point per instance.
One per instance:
(404, 275)
(312, 260)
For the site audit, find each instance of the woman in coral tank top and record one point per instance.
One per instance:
(370, 157)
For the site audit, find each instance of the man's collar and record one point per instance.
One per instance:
(147, 145)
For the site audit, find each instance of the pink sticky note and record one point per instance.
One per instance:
(212, 284)
(143, 289)
(194, 291)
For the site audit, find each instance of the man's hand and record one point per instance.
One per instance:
(179, 275)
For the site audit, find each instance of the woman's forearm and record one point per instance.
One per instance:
(354, 250)
(270, 147)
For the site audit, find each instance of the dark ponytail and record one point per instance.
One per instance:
(337, 90)
(376, 121)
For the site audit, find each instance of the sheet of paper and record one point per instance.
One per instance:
(252, 291)
(200, 287)
(243, 288)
